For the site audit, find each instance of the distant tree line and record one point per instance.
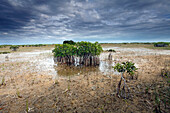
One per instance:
(34, 45)
(138, 43)
(26, 45)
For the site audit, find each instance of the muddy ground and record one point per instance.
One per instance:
(33, 82)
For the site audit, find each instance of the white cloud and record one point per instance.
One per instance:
(111, 23)
(16, 2)
(5, 33)
(89, 15)
(43, 8)
(45, 16)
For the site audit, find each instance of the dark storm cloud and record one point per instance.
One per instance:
(11, 17)
(100, 20)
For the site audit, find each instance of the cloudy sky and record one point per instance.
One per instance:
(52, 21)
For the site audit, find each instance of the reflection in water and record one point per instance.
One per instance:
(42, 63)
(106, 67)
(64, 70)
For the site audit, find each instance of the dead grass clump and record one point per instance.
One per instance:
(3, 81)
(165, 72)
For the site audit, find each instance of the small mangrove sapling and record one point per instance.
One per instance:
(124, 67)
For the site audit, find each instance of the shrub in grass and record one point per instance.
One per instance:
(111, 50)
(3, 81)
(161, 44)
(14, 47)
(69, 42)
(4, 52)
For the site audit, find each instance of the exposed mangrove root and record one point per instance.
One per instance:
(110, 56)
(72, 60)
(6, 58)
(122, 92)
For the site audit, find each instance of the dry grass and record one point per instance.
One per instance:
(27, 49)
(90, 92)
(149, 46)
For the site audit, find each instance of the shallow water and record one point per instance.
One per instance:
(41, 62)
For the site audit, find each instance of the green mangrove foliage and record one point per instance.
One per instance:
(81, 53)
(64, 53)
